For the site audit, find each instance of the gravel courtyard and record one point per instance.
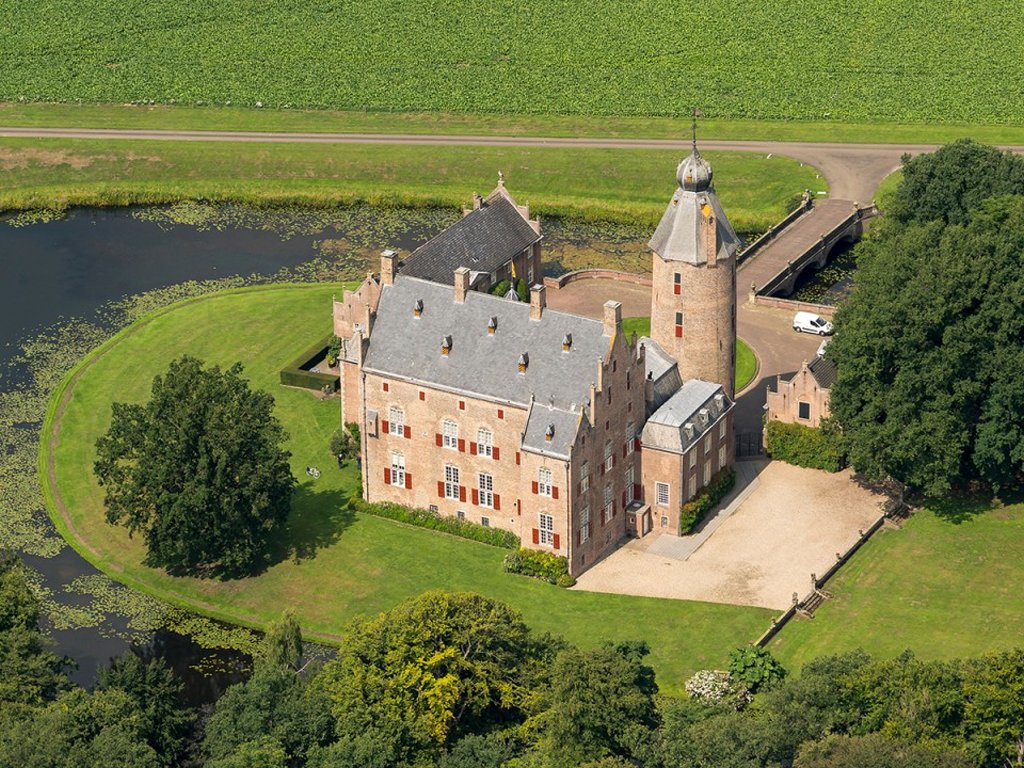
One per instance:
(783, 524)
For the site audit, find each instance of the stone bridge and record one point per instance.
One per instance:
(803, 240)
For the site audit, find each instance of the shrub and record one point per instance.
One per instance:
(501, 288)
(755, 668)
(710, 686)
(523, 290)
(297, 373)
(421, 518)
(805, 446)
(333, 350)
(540, 565)
(693, 511)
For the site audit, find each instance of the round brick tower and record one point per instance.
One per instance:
(693, 301)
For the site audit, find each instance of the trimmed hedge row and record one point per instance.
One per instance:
(296, 375)
(805, 446)
(496, 537)
(540, 565)
(693, 511)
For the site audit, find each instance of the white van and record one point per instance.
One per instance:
(808, 322)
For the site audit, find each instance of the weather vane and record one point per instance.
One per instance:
(696, 113)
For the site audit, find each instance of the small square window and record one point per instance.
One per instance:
(804, 411)
(664, 521)
(485, 522)
(459, 514)
(433, 509)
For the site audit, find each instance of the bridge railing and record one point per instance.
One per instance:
(771, 234)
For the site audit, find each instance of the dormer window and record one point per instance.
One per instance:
(492, 325)
(688, 428)
(567, 342)
(704, 415)
(524, 362)
(549, 433)
(446, 345)
(417, 308)
(719, 402)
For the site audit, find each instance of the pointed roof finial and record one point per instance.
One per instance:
(501, 179)
(696, 113)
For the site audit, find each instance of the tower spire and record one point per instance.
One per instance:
(696, 113)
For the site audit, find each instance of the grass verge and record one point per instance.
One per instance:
(624, 185)
(333, 564)
(945, 586)
(210, 118)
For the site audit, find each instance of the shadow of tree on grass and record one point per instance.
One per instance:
(318, 518)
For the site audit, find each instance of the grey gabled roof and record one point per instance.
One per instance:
(824, 371)
(483, 240)
(694, 404)
(677, 237)
(478, 363)
(562, 424)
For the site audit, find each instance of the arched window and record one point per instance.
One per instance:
(396, 421)
(484, 442)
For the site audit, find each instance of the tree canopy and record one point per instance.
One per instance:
(198, 469)
(930, 345)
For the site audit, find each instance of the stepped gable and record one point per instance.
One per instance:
(824, 371)
(679, 233)
(684, 418)
(483, 240)
(479, 363)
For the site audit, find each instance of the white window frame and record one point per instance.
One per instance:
(485, 490)
(451, 482)
(609, 504)
(707, 444)
(450, 434)
(802, 404)
(485, 443)
(723, 456)
(609, 456)
(546, 526)
(585, 523)
(544, 482)
(693, 485)
(721, 429)
(629, 474)
(707, 472)
(396, 421)
(661, 494)
(693, 458)
(398, 469)
(584, 477)
(630, 439)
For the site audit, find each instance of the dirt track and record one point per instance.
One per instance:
(853, 171)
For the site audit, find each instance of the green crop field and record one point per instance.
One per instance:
(332, 565)
(841, 60)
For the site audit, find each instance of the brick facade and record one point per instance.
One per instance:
(801, 400)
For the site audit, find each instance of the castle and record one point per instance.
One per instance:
(551, 425)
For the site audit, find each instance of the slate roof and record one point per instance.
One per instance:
(565, 424)
(662, 372)
(478, 363)
(824, 371)
(677, 237)
(483, 241)
(666, 428)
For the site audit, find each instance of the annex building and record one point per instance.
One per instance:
(551, 425)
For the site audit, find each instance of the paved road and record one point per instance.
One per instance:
(853, 171)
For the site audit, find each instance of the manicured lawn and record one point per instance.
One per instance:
(944, 589)
(746, 363)
(210, 118)
(628, 185)
(335, 565)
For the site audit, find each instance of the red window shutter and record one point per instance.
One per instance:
(554, 492)
(624, 450)
(476, 497)
(440, 489)
(462, 405)
(536, 536)
(602, 467)
(624, 498)
(533, 487)
(579, 488)
(472, 448)
(386, 387)
(501, 413)
(462, 445)
(679, 331)
(497, 503)
(615, 460)
(383, 426)
(636, 443)
(517, 458)
(438, 439)
(636, 490)
(408, 480)
(408, 432)
(462, 493)
(494, 452)
(678, 289)
(556, 541)
(577, 538)
(387, 476)
(423, 395)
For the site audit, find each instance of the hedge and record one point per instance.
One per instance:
(296, 373)
(805, 446)
(540, 565)
(496, 537)
(693, 511)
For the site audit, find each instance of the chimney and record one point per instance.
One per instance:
(709, 234)
(387, 267)
(461, 284)
(612, 317)
(537, 301)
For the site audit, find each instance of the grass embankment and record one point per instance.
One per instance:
(214, 118)
(746, 361)
(863, 61)
(333, 565)
(947, 585)
(630, 186)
